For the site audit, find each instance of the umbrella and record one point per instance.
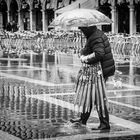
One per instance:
(80, 18)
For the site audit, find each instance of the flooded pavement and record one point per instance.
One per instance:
(37, 94)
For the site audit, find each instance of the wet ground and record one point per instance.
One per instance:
(37, 94)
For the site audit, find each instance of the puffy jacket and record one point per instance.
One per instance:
(99, 44)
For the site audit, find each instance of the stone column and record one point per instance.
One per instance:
(44, 23)
(34, 20)
(19, 20)
(8, 16)
(46, 18)
(31, 20)
(132, 26)
(114, 19)
(1, 20)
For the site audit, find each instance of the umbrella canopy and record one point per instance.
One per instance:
(80, 18)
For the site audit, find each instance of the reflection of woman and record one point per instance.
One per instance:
(97, 65)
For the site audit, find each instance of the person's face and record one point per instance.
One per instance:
(83, 29)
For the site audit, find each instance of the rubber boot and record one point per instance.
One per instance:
(83, 118)
(104, 120)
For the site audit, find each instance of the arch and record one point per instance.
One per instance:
(25, 16)
(43, 3)
(3, 6)
(123, 20)
(3, 14)
(14, 10)
(105, 9)
(50, 10)
(24, 5)
(137, 9)
(37, 4)
(37, 14)
(14, 14)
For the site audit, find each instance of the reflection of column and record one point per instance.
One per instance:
(11, 104)
(16, 91)
(31, 20)
(9, 62)
(114, 19)
(46, 110)
(19, 63)
(30, 72)
(131, 71)
(132, 29)
(28, 106)
(43, 60)
(17, 98)
(40, 109)
(22, 105)
(34, 107)
(59, 111)
(21, 91)
(31, 59)
(43, 72)
(11, 90)
(6, 89)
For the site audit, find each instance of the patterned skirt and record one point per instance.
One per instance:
(90, 89)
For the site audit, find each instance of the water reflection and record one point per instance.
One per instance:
(26, 117)
(41, 67)
(29, 118)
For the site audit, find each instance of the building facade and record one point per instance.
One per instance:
(37, 14)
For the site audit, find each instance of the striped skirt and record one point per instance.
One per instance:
(90, 89)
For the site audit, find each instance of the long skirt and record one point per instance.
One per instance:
(90, 89)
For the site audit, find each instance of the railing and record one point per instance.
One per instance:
(123, 47)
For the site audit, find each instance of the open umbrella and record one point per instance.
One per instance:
(80, 18)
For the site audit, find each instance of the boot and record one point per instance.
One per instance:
(104, 120)
(83, 118)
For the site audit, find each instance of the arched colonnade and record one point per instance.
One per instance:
(37, 14)
(124, 14)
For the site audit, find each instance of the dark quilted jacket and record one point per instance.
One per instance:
(98, 43)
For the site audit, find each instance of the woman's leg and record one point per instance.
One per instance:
(101, 104)
(83, 117)
(104, 118)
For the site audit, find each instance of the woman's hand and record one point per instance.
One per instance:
(83, 58)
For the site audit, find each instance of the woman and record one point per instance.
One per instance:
(97, 65)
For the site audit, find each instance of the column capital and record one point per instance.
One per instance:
(30, 10)
(112, 2)
(113, 8)
(131, 7)
(42, 10)
(18, 11)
